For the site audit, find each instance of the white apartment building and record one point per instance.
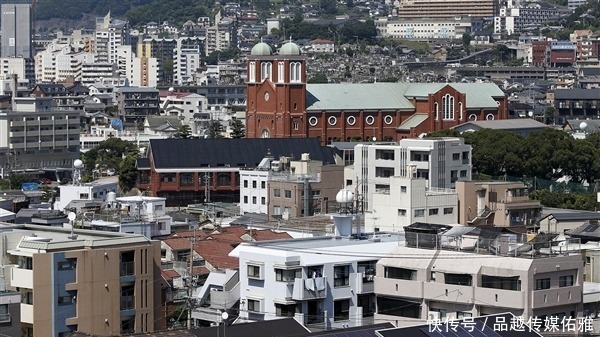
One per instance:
(22, 67)
(140, 71)
(326, 281)
(58, 65)
(218, 36)
(110, 34)
(96, 72)
(137, 215)
(186, 106)
(99, 134)
(254, 191)
(35, 134)
(409, 200)
(186, 59)
(441, 161)
(424, 28)
(95, 190)
(451, 281)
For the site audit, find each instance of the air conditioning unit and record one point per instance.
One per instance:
(433, 316)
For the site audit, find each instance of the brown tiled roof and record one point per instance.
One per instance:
(200, 270)
(178, 244)
(267, 234)
(216, 253)
(169, 274)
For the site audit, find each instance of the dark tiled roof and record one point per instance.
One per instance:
(576, 94)
(196, 153)
(586, 231)
(574, 216)
(143, 163)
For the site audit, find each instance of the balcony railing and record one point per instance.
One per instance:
(310, 288)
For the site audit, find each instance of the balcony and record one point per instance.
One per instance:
(448, 292)
(127, 272)
(364, 283)
(398, 288)
(500, 297)
(27, 313)
(21, 278)
(224, 299)
(556, 296)
(309, 288)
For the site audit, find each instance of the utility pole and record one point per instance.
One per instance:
(190, 283)
(207, 187)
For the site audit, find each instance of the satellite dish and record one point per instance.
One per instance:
(78, 163)
(72, 216)
(583, 126)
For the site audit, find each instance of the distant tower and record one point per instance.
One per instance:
(16, 25)
(276, 92)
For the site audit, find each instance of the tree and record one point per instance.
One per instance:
(237, 129)
(108, 155)
(128, 172)
(215, 130)
(466, 41)
(184, 132)
(318, 78)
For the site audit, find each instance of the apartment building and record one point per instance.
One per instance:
(93, 282)
(441, 161)
(59, 65)
(10, 311)
(499, 203)
(95, 190)
(411, 9)
(110, 34)
(35, 134)
(24, 68)
(187, 107)
(95, 72)
(321, 281)
(409, 200)
(424, 28)
(186, 59)
(575, 103)
(456, 276)
(135, 103)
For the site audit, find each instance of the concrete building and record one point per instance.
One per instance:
(411, 9)
(501, 203)
(189, 108)
(110, 34)
(16, 25)
(424, 28)
(94, 282)
(24, 68)
(409, 200)
(10, 311)
(450, 280)
(135, 103)
(186, 59)
(321, 281)
(35, 134)
(95, 72)
(441, 161)
(96, 190)
(59, 65)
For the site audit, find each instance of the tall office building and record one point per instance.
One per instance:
(16, 30)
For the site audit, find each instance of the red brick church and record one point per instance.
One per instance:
(280, 104)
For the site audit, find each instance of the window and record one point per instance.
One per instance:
(542, 283)
(436, 109)
(263, 200)
(341, 276)
(402, 189)
(276, 210)
(433, 211)
(501, 282)
(456, 156)
(265, 71)
(127, 297)
(313, 121)
(4, 314)
(370, 120)
(63, 300)
(254, 200)
(341, 310)
(296, 125)
(463, 173)
(254, 271)
(351, 120)
(253, 305)
(277, 193)
(458, 279)
(127, 267)
(401, 212)
(287, 194)
(253, 183)
(287, 275)
(283, 310)
(280, 71)
(252, 72)
(332, 120)
(263, 184)
(565, 281)
(419, 213)
(447, 107)
(65, 265)
(448, 210)
(400, 273)
(295, 72)
(245, 199)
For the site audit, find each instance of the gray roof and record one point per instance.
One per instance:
(506, 124)
(412, 122)
(577, 94)
(393, 96)
(571, 215)
(136, 89)
(593, 125)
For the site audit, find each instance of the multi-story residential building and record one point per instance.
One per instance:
(573, 4)
(110, 34)
(16, 30)
(24, 68)
(498, 203)
(219, 96)
(10, 311)
(325, 281)
(189, 108)
(562, 53)
(135, 103)
(96, 190)
(587, 44)
(137, 214)
(471, 273)
(424, 28)
(276, 86)
(186, 59)
(219, 36)
(512, 20)
(59, 65)
(409, 200)
(411, 9)
(441, 161)
(575, 103)
(81, 280)
(192, 170)
(35, 134)
(289, 188)
(95, 72)
(98, 134)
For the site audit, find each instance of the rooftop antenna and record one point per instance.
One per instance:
(77, 167)
(72, 216)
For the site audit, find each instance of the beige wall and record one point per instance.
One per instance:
(98, 287)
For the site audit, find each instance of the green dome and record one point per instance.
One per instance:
(289, 48)
(261, 49)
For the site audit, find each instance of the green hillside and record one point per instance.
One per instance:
(76, 9)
